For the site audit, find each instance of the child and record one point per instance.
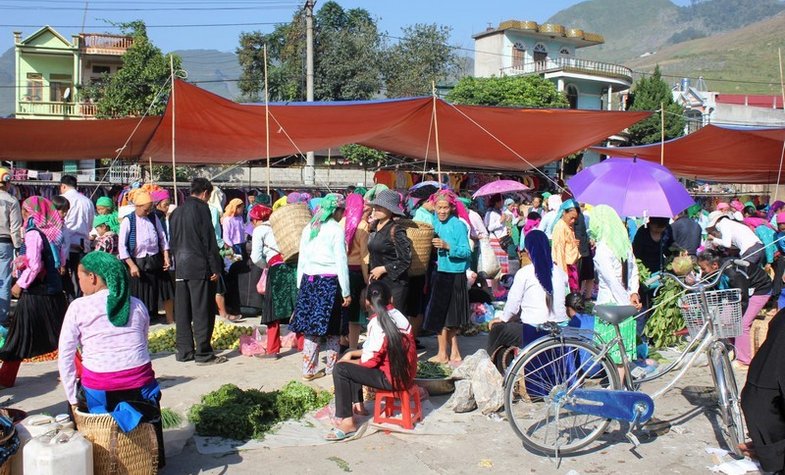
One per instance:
(62, 205)
(106, 239)
(387, 361)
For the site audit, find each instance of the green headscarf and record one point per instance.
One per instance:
(466, 201)
(694, 210)
(327, 206)
(114, 274)
(105, 201)
(606, 226)
(108, 219)
(370, 195)
(361, 190)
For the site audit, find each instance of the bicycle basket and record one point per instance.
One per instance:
(724, 308)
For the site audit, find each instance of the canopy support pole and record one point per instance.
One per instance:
(267, 121)
(662, 133)
(174, 161)
(782, 154)
(436, 135)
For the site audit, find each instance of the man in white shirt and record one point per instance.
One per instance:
(76, 230)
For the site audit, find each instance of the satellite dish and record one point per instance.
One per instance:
(66, 93)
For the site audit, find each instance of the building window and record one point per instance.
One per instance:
(518, 55)
(540, 57)
(572, 95)
(59, 84)
(694, 120)
(101, 70)
(35, 87)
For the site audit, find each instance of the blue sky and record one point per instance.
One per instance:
(466, 17)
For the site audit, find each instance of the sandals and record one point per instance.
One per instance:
(216, 360)
(235, 318)
(319, 374)
(337, 435)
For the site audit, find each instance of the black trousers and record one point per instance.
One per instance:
(764, 411)
(71, 277)
(779, 270)
(194, 310)
(349, 379)
(504, 335)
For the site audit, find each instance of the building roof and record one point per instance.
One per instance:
(754, 100)
(41, 31)
(575, 36)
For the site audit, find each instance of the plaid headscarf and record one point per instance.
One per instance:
(450, 197)
(44, 216)
(114, 274)
(328, 205)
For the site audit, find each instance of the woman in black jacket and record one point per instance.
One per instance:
(389, 249)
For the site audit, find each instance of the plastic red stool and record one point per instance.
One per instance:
(398, 401)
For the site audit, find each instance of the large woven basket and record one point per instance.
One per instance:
(116, 452)
(421, 236)
(288, 223)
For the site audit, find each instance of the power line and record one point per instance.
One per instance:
(117, 27)
(149, 9)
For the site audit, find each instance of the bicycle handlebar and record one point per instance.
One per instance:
(656, 278)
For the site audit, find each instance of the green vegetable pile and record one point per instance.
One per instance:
(170, 419)
(428, 370)
(248, 414)
(666, 318)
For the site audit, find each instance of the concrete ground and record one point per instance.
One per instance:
(487, 446)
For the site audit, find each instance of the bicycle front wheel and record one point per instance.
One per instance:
(728, 397)
(532, 402)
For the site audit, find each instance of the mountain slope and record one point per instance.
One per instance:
(736, 61)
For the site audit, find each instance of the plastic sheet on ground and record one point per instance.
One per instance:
(310, 431)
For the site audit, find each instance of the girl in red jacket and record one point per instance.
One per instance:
(388, 361)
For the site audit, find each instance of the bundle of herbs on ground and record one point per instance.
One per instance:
(249, 414)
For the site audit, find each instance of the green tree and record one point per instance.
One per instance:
(364, 156)
(131, 90)
(648, 94)
(347, 48)
(507, 91)
(420, 58)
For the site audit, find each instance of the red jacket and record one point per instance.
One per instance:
(375, 353)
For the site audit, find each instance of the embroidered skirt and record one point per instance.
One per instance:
(318, 309)
(281, 295)
(501, 254)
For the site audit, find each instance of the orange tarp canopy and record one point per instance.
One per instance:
(213, 130)
(718, 153)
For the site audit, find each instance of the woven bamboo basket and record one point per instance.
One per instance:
(288, 223)
(421, 235)
(575, 33)
(553, 28)
(116, 452)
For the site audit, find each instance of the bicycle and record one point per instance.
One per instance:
(562, 390)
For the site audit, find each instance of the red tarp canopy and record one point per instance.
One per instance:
(59, 140)
(717, 153)
(213, 130)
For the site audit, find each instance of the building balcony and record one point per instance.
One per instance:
(50, 110)
(103, 44)
(577, 66)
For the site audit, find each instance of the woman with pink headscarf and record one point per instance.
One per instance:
(41, 306)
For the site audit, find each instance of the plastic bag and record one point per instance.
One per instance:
(488, 261)
(253, 344)
(261, 286)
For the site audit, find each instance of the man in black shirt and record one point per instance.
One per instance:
(197, 267)
(686, 233)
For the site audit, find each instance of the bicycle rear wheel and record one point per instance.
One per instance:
(531, 396)
(728, 397)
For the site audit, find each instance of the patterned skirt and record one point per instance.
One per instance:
(281, 295)
(501, 255)
(318, 309)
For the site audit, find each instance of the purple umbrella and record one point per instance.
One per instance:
(632, 187)
(500, 186)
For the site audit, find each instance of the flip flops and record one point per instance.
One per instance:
(319, 374)
(337, 435)
(235, 318)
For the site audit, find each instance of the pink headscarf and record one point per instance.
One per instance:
(753, 222)
(781, 218)
(737, 205)
(452, 198)
(353, 215)
(722, 206)
(530, 224)
(45, 218)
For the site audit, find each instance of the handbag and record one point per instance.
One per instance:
(261, 286)
(505, 242)
(151, 263)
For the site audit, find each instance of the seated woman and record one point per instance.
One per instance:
(536, 296)
(111, 328)
(388, 360)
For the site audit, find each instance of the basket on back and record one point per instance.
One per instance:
(116, 452)
(421, 236)
(288, 223)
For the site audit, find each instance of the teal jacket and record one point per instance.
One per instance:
(456, 234)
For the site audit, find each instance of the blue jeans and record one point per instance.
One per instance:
(6, 262)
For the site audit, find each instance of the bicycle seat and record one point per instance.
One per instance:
(614, 314)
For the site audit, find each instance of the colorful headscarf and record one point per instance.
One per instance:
(110, 220)
(159, 195)
(297, 197)
(450, 197)
(231, 209)
(360, 190)
(105, 202)
(694, 210)
(530, 225)
(606, 226)
(539, 249)
(354, 214)
(775, 208)
(467, 202)
(723, 206)
(44, 216)
(737, 205)
(260, 213)
(328, 205)
(280, 203)
(780, 218)
(114, 274)
(370, 195)
(567, 205)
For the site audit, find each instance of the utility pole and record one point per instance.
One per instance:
(310, 173)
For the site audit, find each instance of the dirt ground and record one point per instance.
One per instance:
(485, 445)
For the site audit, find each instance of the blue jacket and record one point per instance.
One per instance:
(456, 234)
